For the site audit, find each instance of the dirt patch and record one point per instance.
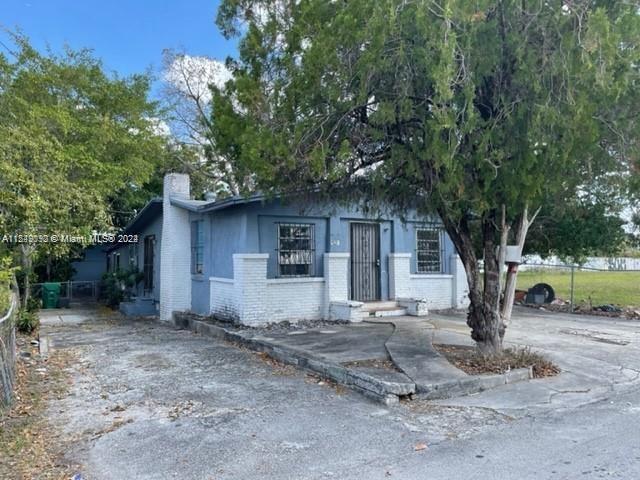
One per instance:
(29, 446)
(584, 308)
(279, 368)
(373, 363)
(472, 362)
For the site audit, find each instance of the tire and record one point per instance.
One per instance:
(544, 289)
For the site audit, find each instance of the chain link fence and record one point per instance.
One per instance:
(8, 352)
(580, 288)
(72, 292)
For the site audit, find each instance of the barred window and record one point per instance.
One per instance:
(429, 250)
(295, 250)
(197, 247)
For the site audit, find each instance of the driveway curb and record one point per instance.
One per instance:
(374, 388)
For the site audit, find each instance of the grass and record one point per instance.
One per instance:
(600, 288)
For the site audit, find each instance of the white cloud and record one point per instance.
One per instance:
(192, 75)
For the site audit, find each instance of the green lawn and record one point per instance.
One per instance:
(618, 288)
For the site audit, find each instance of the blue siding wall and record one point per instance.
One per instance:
(227, 231)
(200, 282)
(258, 223)
(92, 266)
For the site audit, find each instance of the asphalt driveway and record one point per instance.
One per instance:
(151, 402)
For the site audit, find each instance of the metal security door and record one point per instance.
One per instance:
(147, 267)
(365, 262)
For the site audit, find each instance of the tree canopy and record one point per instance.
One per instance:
(70, 136)
(480, 111)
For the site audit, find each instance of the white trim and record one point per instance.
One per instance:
(294, 280)
(337, 254)
(400, 255)
(221, 279)
(251, 256)
(431, 275)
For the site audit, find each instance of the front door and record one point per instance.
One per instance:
(365, 262)
(147, 267)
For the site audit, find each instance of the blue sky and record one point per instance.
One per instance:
(128, 35)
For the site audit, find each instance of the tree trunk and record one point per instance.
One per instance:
(26, 251)
(512, 273)
(483, 317)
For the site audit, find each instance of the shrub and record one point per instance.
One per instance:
(113, 289)
(120, 285)
(6, 274)
(27, 321)
(34, 304)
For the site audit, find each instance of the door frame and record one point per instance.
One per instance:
(148, 268)
(378, 267)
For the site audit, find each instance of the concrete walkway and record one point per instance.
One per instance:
(411, 349)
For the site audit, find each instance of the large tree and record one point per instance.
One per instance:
(476, 110)
(70, 136)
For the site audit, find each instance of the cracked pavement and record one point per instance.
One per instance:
(151, 402)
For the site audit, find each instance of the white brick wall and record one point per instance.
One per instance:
(295, 299)
(399, 275)
(436, 290)
(252, 299)
(222, 299)
(336, 274)
(250, 276)
(175, 254)
(460, 293)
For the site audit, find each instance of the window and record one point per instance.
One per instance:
(133, 256)
(295, 250)
(429, 250)
(197, 247)
(116, 262)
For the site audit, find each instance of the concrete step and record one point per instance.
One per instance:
(385, 312)
(373, 306)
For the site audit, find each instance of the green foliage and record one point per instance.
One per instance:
(70, 136)
(459, 107)
(119, 286)
(112, 289)
(576, 231)
(6, 275)
(465, 109)
(27, 321)
(34, 304)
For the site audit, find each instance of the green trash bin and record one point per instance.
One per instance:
(50, 295)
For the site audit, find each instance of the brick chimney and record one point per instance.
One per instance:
(175, 248)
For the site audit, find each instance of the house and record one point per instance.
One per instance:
(257, 261)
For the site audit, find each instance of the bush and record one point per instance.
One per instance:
(6, 274)
(113, 289)
(27, 321)
(34, 304)
(120, 285)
